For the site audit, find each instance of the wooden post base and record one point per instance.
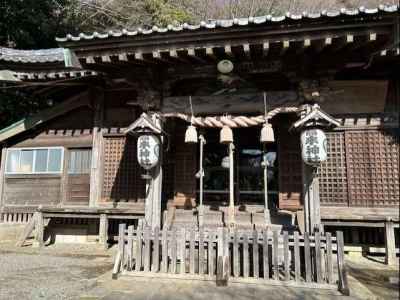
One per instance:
(390, 259)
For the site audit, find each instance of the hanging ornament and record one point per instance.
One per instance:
(267, 133)
(191, 135)
(191, 131)
(226, 135)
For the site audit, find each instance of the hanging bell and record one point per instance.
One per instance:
(191, 135)
(267, 134)
(226, 135)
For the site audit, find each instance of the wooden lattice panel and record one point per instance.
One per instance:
(121, 181)
(332, 173)
(372, 159)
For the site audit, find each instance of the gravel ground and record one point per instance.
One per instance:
(84, 271)
(56, 272)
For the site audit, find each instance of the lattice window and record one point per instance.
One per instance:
(372, 159)
(121, 181)
(332, 173)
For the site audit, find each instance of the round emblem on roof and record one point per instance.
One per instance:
(225, 66)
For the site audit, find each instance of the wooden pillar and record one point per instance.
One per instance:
(201, 208)
(312, 214)
(390, 244)
(2, 172)
(154, 188)
(231, 186)
(267, 216)
(97, 147)
(103, 230)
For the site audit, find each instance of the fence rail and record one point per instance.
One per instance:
(232, 255)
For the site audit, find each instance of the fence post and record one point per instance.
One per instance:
(121, 244)
(119, 259)
(222, 260)
(130, 247)
(343, 284)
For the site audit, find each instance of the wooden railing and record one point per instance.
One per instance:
(15, 218)
(233, 256)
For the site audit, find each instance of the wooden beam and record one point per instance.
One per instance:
(122, 57)
(372, 37)
(341, 42)
(26, 233)
(192, 54)
(244, 103)
(285, 47)
(105, 59)
(158, 57)
(320, 45)
(210, 53)
(173, 53)
(228, 51)
(246, 50)
(90, 60)
(139, 56)
(265, 49)
(304, 45)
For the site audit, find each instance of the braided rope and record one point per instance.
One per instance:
(231, 121)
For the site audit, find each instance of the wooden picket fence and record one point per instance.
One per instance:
(233, 256)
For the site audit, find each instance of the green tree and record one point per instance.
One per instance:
(33, 24)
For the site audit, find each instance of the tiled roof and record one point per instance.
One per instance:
(32, 56)
(232, 22)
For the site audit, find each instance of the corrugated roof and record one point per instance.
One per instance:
(231, 23)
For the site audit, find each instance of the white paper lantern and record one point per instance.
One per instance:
(148, 151)
(313, 146)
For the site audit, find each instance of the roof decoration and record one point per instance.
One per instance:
(212, 24)
(53, 55)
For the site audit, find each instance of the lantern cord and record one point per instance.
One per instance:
(191, 110)
(265, 106)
